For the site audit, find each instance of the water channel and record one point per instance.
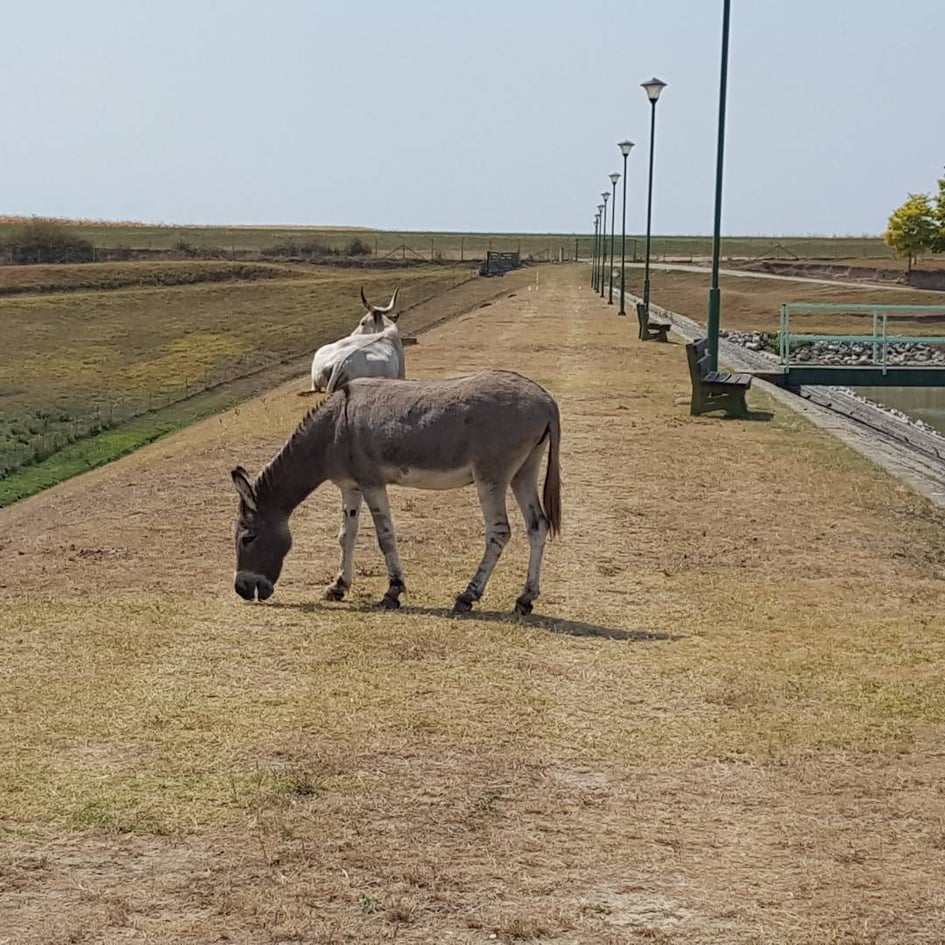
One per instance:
(921, 403)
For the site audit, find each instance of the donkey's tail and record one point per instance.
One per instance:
(551, 494)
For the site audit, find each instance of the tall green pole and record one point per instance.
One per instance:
(603, 229)
(600, 248)
(715, 301)
(613, 221)
(594, 257)
(625, 147)
(649, 212)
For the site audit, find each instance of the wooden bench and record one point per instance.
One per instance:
(714, 390)
(651, 328)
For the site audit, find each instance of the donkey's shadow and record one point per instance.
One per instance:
(575, 628)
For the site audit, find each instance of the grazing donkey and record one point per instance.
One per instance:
(385, 358)
(489, 429)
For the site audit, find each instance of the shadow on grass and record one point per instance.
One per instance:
(575, 628)
(713, 413)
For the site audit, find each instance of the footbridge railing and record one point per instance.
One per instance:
(873, 356)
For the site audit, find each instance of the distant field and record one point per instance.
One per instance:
(76, 363)
(446, 245)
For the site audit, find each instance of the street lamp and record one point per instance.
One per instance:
(594, 254)
(603, 229)
(613, 216)
(715, 301)
(625, 147)
(652, 89)
(600, 246)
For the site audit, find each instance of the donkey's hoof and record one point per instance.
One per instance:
(523, 607)
(333, 592)
(461, 606)
(387, 603)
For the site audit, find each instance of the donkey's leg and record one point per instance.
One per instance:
(347, 535)
(380, 512)
(525, 488)
(498, 532)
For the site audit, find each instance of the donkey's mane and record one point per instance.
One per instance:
(267, 480)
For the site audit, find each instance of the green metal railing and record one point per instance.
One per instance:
(879, 338)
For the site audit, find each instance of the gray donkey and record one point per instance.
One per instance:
(489, 429)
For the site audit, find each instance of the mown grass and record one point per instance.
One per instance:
(722, 724)
(76, 364)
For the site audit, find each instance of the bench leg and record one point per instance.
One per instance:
(734, 404)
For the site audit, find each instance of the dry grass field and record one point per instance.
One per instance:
(754, 304)
(724, 724)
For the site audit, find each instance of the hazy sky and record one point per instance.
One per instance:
(486, 115)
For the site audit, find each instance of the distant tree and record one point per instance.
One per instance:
(912, 228)
(938, 241)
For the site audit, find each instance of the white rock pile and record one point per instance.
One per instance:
(840, 352)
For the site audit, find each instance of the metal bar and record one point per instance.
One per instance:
(824, 375)
(866, 339)
(862, 309)
(885, 341)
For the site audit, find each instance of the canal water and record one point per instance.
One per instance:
(922, 403)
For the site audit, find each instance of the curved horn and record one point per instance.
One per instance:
(389, 305)
(367, 304)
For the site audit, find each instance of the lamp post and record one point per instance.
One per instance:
(603, 230)
(594, 253)
(625, 147)
(613, 219)
(600, 245)
(652, 89)
(715, 301)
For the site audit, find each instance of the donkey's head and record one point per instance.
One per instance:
(378, 317)
(262, 542)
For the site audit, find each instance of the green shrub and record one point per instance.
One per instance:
(357, 247)
(41, 241)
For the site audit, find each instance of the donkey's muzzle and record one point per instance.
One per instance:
(249, 585)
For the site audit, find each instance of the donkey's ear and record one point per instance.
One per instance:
(244, 487)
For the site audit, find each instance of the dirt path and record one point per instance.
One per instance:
(726, 726)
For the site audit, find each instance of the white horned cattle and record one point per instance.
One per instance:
(373, 349)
